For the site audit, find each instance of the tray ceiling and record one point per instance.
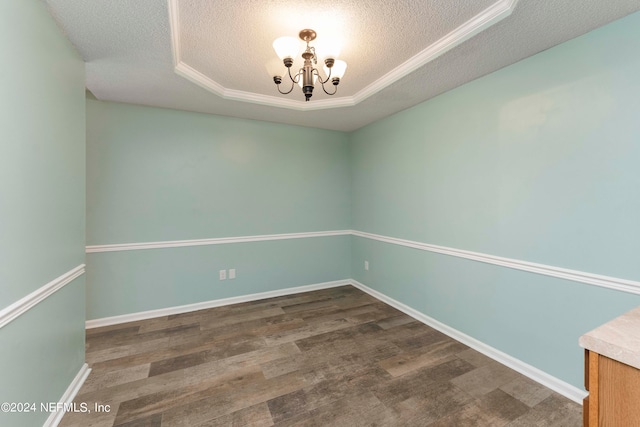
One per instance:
(212, 56)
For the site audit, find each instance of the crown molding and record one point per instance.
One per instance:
(195, 76)
(480, 22)
(174, 25)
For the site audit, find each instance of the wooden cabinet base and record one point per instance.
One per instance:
(614, 393)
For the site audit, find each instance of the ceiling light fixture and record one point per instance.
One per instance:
(287, 48)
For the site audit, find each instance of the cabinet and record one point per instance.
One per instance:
(612, 373)
(614, 392)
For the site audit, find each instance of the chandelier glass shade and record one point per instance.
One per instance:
(287, 48)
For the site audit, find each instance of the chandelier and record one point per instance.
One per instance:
(287, 48)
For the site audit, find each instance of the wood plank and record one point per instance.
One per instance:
(594, 390)
(619, 393)
(586, 369)
(330, 357)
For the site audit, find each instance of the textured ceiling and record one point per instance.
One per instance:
(231, 46)
(399, 53)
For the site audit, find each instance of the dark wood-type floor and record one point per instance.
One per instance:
(335, 357)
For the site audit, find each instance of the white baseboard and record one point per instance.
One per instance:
(143, 315)
(549, 381)
(68, 396)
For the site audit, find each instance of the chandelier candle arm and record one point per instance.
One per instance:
(287, 47)
(278, 79)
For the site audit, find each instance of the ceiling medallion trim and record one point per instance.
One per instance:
(480, 22)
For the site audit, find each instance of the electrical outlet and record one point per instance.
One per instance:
(223, 274)
(232, 273)
(366, 265)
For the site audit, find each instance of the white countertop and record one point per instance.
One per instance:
(618, 339)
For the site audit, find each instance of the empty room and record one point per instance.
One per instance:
(327, 213)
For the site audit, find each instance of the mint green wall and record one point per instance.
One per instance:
(42, 184)
(42, 352)
(158, 174)
(537, 162)
(42, 151)
(134, 281)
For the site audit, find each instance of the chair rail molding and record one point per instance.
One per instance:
(21, 306)
(211, 241)
(618, 284)
(614, 283)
